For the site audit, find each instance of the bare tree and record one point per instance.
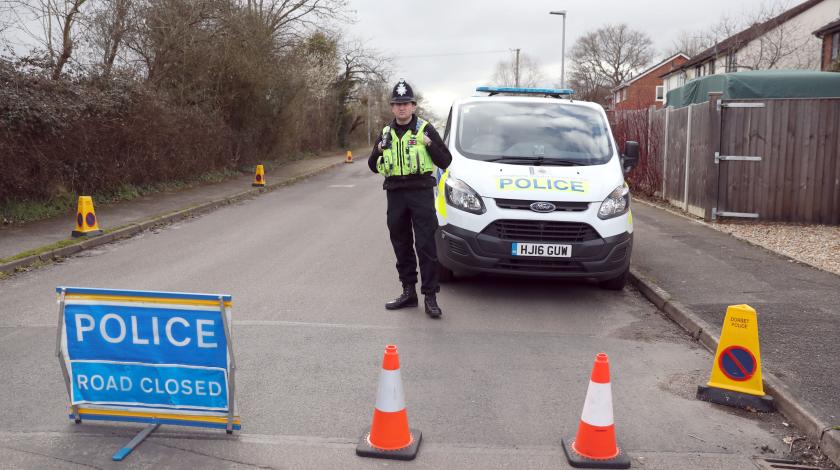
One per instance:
(106, 27)
(168, 38)
(5, 15)
(361, 67)
(610, 55)
(287, 18)
(589, 86)
(58, 21)
(691, 43)
(66, 12)
(530, 74)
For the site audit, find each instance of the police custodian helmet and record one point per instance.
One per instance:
(402, 93)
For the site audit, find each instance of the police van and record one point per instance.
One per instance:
(536, 188)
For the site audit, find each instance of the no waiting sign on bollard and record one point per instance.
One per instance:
(148, 357)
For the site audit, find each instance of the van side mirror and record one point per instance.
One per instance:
(631, 155)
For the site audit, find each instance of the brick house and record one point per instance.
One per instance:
(830, 35)
(645, 89)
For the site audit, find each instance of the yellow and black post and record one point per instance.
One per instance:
(86, 223)
(259, 177)
(736, 372)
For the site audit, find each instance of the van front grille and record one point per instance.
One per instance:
(541, 231)
(522, 204)
(540, 265)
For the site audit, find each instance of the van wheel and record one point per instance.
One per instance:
(616, 283)
(445, 274)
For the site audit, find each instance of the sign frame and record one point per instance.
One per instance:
(153, 415)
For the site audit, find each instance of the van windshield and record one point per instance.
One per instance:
(551, 133)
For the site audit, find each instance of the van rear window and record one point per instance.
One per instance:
(550, 133)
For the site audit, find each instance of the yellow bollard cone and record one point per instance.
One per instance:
(86, 223)
(349, 157)
(259, 177)
(736, 372)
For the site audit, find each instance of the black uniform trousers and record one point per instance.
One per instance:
(414, 209)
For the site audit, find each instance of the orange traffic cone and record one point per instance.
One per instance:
(349, 157)
(595, 445)
(86, 223)
(259, 177)
(389, 437)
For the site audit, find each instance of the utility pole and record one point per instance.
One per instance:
(516, 71)
(368, 118)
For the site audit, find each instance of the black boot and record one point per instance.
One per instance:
(408, 298)
(432, 308)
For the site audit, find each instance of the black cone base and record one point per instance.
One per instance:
(258, 185)
(408, 453)
(91, 233)
(746, 401)
(576, 460)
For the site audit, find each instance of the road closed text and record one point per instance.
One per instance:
(150, 385)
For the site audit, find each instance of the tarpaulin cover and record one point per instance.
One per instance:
(758, 84)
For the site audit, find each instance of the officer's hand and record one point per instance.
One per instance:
(426, 139)
(379, 146)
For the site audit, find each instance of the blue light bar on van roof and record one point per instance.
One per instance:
(493, 90)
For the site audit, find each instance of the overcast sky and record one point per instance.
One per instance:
(435, 28)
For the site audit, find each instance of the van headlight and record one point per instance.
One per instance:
(461, 196)
(616, 204)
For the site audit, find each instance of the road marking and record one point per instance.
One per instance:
(315, 324)
(342, 185)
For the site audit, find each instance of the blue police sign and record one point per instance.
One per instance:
(156, 357)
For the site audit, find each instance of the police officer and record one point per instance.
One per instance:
(406, 154)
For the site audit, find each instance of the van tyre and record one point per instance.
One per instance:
(445, 274)
(616, 283)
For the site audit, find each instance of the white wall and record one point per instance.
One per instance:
(795, 34)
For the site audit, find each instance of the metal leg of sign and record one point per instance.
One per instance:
(60, 323)
(60, 356)
(123, 453)
(232, 377)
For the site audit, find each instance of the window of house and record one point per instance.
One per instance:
(698, 71)
(835, 46)
(660, 93)
(624, 94)
(617, 97)
(712, 67)
(731, 62)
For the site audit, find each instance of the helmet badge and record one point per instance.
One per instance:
(401, 90)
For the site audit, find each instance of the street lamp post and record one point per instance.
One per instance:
(563, 49)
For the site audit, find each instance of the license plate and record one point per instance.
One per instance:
(541, 249)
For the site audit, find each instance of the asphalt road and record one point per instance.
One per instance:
(495, 384)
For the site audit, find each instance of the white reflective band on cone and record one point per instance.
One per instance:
(598, 409)
(390, 397)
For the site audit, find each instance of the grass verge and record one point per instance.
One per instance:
(17, 212)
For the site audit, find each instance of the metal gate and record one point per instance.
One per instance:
(741, 137)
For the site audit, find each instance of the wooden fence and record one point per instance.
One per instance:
(774, 159)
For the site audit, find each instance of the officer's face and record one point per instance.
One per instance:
(403, 111)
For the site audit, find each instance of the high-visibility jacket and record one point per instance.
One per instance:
(407, 155)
